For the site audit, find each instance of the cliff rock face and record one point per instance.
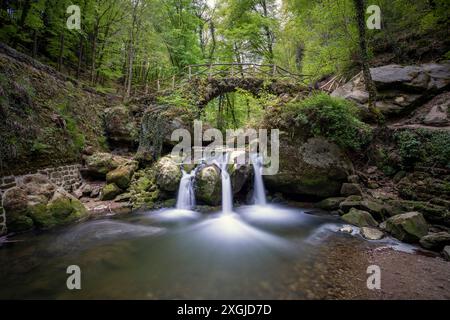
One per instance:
(400, 88)
(314, 168)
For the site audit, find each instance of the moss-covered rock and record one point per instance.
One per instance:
(330, 203)
(33, 206)
(100, 163)
(407, 227)
(374, 207)
(433, 213)
(122, 175)
(208, 185)
(435, 241)
(144, 191)
(110, 191)
(359, 218)
(315, 168)
(168, 174)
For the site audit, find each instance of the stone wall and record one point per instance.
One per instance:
(67, 176)
(2, 218)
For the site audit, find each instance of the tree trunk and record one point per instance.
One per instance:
(80, 56)
(61, 51)
(370, 85)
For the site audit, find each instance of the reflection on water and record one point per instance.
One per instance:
(172, 254)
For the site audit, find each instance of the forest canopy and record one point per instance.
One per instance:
(125, 45)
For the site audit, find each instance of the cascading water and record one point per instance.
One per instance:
(186, 195)
(259, 191)
(227, 195)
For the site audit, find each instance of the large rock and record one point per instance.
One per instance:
(407, 227)
(121, 129)
(239, 175)
(208, 185)
(374, 207)
(315, 168)
(435, 241)
(168, 174)
(330, 203)
(36, 202)
(433, 213)
(100, 163)
(62, 209)
(400, 88)
(122, 175)
(359, 218)
(157, 125)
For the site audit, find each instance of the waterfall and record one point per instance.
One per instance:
(227, 195)
(259, 191)
(186, 195)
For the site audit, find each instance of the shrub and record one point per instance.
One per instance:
(334, 118)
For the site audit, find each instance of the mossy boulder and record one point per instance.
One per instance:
(435, 241)
(208, 185)
(314, 168)
(62, 209)
(433, 213)
(109, 192)
(122, 175)
(239, 175)
(37, 203)
(143, 189)
(374, 207)
(15, 203)
(100, 163)
(330, 203)
(168, 174)
(407, 227)
(359, 218)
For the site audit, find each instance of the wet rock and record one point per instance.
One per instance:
(109, 192)
(353, 178)
(330, 203)
(435, 241)
(349, 189)
(239, 175)
(346, 229)
(208, 185)
(371, 233)
(314, 168)
(168, 174)
(359, 218)
(407, 227)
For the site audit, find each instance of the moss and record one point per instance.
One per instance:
(19, 223)
(334, 118)
(110, 191)
(65, 210)
(42, 217)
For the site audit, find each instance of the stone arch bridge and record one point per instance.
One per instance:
(205, 82)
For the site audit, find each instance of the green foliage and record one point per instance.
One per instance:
(333, 118)
(423, 147)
